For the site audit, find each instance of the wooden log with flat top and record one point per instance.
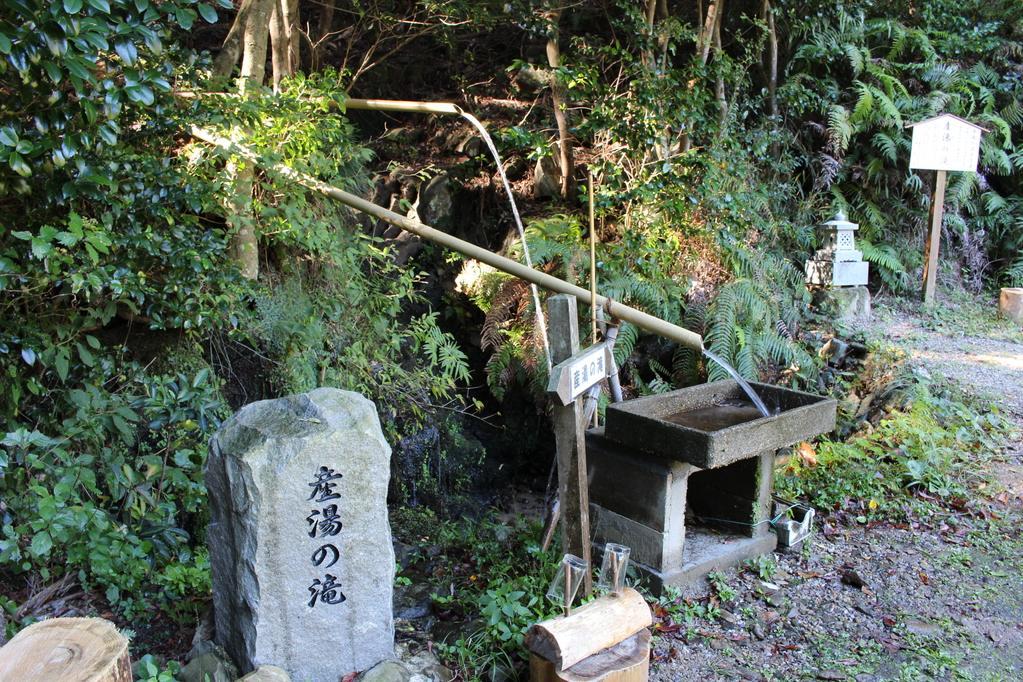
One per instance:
(67, 650)
(627, 661)
(599, 625)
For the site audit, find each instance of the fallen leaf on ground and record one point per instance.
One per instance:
(807, 454)
(785, 647)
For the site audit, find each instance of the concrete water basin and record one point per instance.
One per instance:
(714, 424)
(685, 478)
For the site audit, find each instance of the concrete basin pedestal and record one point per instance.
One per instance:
(685, 478)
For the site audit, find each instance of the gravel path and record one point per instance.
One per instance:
(939, 599)
(866, 605)
(989, 367)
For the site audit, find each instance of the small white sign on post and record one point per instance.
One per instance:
(573, 377)
(945, 142)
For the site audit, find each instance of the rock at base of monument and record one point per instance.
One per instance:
(851, 303)
(267, 673)
(211, 666)
(299, 541)
(387, 671)
(423, 664)
(1010, 304)
(546, 179)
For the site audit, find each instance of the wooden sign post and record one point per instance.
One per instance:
(942, 143)
(933, 241)
(570, 435)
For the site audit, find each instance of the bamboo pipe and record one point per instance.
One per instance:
(614, 308)
(401, 105)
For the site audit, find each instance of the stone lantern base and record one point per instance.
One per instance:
(852, 304)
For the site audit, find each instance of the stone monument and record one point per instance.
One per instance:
(300, 545)
(838, 263)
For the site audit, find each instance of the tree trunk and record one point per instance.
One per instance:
(662, 9)
(558, 99)
(279, 46)
(254, 39)
(284, 40)
(230, 51)
(704, 40)
(245, 243)
(657, 65)
(772, 71)
(651, 13)
(719, 86)
(291, 21)
(326, 26)
(706, 36)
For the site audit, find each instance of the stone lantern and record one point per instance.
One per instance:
(838, 263)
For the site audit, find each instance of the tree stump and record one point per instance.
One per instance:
(67, 650)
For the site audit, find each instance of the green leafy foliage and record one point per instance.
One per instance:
(860, 78)
(128, 333)
(79, 74)
(494, 576)
(923, 452)
(112, 495)
(150, 670)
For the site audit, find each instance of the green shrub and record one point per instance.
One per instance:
(925, 450)
(127, 330)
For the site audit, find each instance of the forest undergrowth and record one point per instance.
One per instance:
(150, 285)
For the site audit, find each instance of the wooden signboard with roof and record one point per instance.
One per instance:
(942, 143)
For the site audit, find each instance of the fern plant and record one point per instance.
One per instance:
(866, 79)
(753, 321)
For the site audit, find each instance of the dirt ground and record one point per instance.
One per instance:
(939, 599)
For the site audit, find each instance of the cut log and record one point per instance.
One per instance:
(599, 625)
(628, 661)
(67, 650)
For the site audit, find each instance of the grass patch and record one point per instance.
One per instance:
(923, 450)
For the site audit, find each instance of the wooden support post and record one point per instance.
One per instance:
(67, 650)
(593, 287)
(570, 436)
(934, 238)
